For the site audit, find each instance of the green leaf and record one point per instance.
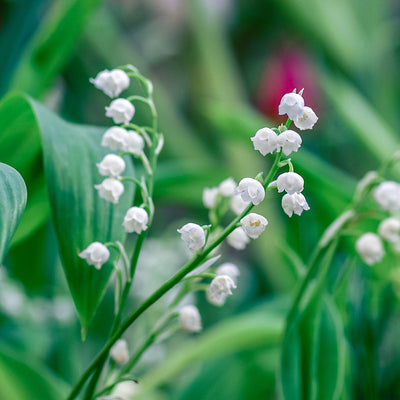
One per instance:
(80, 217)
(259, 328)
(12, 204)
(52, 45)
(22, 379)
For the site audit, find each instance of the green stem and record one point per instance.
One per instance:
(170, 283)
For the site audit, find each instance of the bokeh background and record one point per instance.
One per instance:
(219, 68)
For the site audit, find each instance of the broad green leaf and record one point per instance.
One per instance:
(312, 358)
(22, 379)
(12, 204)
(80, 217)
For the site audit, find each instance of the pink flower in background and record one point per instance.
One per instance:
(286, 68)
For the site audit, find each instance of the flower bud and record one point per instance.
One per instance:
(238, 239)
(251, 190)
(189, 318)
(254, 225)
(111, 165)
(290, 182)
(95, 254)
(265, 141)
(230, 270)
(238, 205)
(294, 203)
(135, 220)
(387, 194)
(193, 235)
(289, 141)
(220, 287)
(124, 390)
(210, 197)
(114, 138)
(389, 229)
(112, 83)
(110, 189)
(369, 247)
(291, 104)
(121, 111)
(227, 187)
(133, 143)
(306, 120)
(119, 352)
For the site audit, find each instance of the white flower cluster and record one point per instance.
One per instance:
(116, 138)
(370, 246)
(268, 141)
(221, 286)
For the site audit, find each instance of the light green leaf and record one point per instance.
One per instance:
(80, 217)
(12, 204)
(22, 379)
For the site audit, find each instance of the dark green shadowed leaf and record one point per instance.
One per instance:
(12, 204)
(21, 379)
(80, 216)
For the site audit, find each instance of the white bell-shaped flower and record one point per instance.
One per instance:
(114, 138)
(238, 239)
(210, 197)
(227, 187)
(124, 390)
(238, 205)
(193, 235)
(230, 270)
(112, 83)
(111, 165)
(306, 120)
(133, 143)
(220, 288)
(265, 141)
(110, 189)
(389, 229)
(387, 194)
(251, 190)
(190, 319)
(294, 203)
(289, 141)
(254, 225)
(119, 352)
(95, 254)
(291, 104)
(370, 248)
(290, 182)
(121, 111)
(136, 220)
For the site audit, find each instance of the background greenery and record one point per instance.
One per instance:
(219, 70)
